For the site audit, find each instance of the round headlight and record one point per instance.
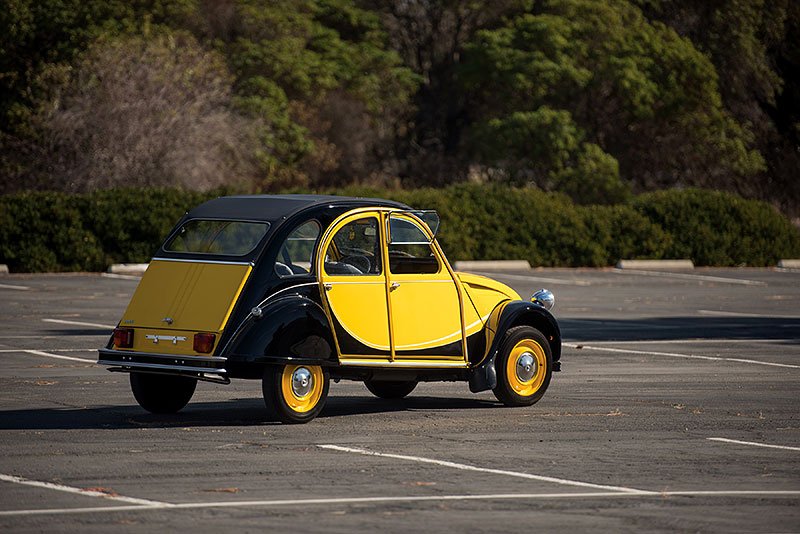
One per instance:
(544, 298)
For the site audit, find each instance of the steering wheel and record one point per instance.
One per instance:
(359, 261)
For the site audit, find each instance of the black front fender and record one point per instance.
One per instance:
(516, 313)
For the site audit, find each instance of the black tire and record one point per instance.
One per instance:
(282, 401)
(524, 367)
(162, 393)
(390, 389)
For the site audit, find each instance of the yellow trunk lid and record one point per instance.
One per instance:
(186, 295)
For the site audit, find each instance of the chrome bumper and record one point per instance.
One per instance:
(194, 366)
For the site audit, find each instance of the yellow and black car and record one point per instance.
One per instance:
(296, 290)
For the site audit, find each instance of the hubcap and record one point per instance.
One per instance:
(526, 367)
(302, 382)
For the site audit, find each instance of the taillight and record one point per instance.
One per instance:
(204, 343)
(123, 338)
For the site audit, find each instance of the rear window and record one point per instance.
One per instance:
(226, 238)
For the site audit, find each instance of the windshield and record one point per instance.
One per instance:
(226, 238)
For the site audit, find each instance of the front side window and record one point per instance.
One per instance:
(296, 252)
(410, 251)
(355, 249)
(226, 238)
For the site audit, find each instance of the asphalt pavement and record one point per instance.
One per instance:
(677, 410)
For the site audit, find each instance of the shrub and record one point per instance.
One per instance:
(62, 232)
(716, 228)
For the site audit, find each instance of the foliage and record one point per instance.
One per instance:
(716, 228)
(590, 98)
(63, 232)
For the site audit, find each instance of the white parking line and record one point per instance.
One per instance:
(78, 323)
(699, 277)
(677, 355)
(54, 350)
(720, 340)
(753, 444)
(9, 286)
(526, 278)
(759, 494)
(79, 491)
(58, 356)
(465, 467)
(721, 313)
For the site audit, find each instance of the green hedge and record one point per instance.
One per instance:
(61, 232)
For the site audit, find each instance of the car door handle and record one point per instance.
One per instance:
(394, 286)
(327, 286)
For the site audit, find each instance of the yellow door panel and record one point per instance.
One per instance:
(186, 295)
(360, 307)
(425, 313)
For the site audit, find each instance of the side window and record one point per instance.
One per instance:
(296, 252)
(355, 249)
(409, 250)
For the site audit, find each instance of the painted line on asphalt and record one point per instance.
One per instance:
(466, 467)
(10, 286)
(80, 491)
(721, 313)
(721, 340)
(406, 498)
(58, 356)
(78, 323)
(754, 444)
(52, 350)
(527, 278)
(581, 346)
(699, 277)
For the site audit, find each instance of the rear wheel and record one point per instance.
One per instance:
(295, 393)
(390, 389)
(524, 367)
(162, 393)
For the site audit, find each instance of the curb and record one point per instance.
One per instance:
(3, 268)
(669, 265)
(128, 268)
(492, 265)
(789, 264)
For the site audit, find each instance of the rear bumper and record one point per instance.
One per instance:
(194, 366)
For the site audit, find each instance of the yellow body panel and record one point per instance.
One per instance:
(162, 341)
(425, 311)
(197, 297)
(359, 303)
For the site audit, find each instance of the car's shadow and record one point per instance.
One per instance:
(236, 412)
(782, 329)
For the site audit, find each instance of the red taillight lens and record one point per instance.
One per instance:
(123, 338)
(204, 343)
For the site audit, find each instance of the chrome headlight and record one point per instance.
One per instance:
(544, 298)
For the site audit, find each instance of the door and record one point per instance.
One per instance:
(354, 284)
(425, 305)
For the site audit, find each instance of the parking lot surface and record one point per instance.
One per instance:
(677, 410)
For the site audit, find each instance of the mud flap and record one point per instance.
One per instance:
(483, 377)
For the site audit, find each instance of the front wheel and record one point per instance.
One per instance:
(162, 393)
(394, 389)
(524, 366)
(295, 393)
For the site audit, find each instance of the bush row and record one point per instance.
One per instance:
(62, 232)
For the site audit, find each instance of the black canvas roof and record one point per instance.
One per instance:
(274, 207)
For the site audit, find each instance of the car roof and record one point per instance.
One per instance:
(275, 207)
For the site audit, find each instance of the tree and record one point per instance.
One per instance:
(638, 91)
(145, 111)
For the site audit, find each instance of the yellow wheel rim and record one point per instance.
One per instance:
(301, 386)
(526, 367)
